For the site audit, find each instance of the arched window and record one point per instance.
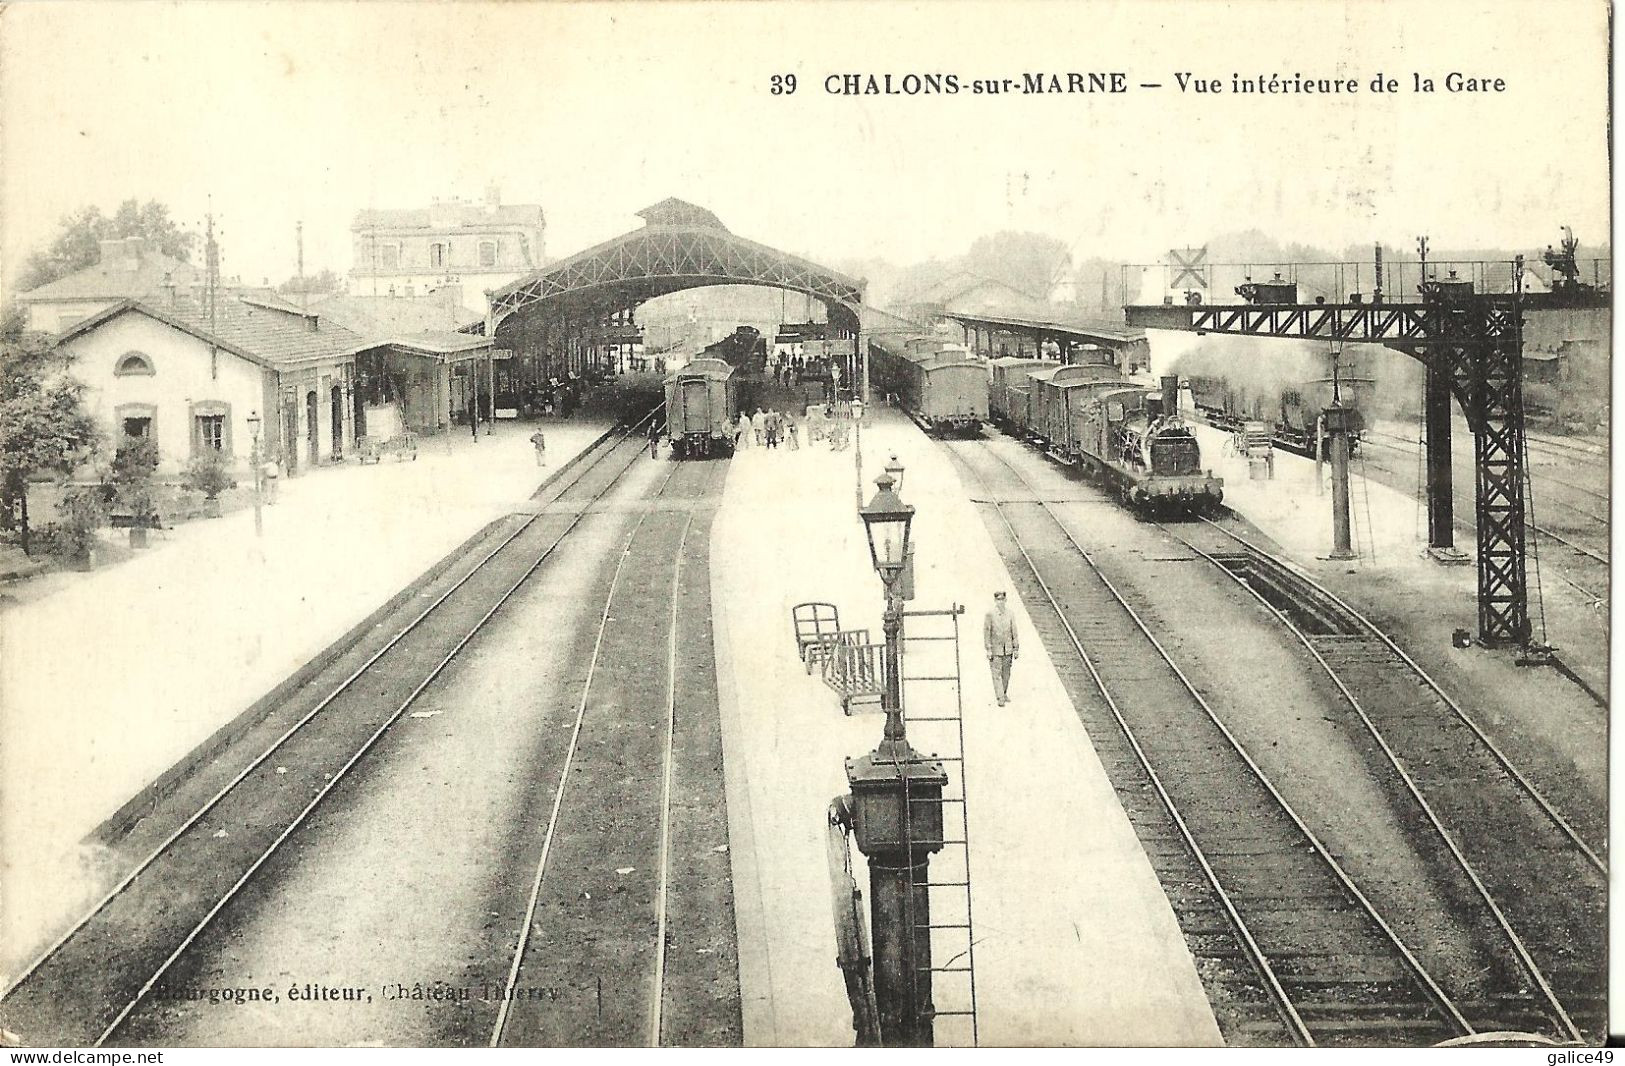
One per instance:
(133, 363)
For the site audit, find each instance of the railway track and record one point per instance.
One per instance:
(637, 689)
(1435, 745)
(1569, 537)
(1331, 965)
(1396, 718)
(90, 981)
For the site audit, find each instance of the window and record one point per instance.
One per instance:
(488, 253)
(133, 363)
(211, 431)
(136, 419)
(211, 427)
(437, 255)
(389, 257)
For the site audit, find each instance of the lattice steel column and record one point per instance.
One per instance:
(1441, 488)
(1488, 363)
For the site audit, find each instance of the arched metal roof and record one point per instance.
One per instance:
(681, 246)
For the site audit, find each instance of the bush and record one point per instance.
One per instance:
(84, 510)
(207, 474)
(133, 467)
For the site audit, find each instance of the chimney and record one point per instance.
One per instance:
(493, 196)
(1170, 395)
(169, 289)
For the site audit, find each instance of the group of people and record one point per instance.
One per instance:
(766, 429)
(791, 370)
(824, 422)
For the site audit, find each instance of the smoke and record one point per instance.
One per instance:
(1262, 367)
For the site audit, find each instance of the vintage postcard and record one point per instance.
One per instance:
(845, 523)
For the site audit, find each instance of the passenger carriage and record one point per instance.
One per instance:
(702, 409)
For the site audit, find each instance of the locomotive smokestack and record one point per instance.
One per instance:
(1170, 395)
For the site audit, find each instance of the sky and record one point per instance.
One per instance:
(276, 113)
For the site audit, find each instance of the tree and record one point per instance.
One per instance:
(311, 284)
(1030, 262)
(78, 244)
(44, 427)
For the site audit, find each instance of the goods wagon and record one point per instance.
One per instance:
(1008, 387)
(938, 382)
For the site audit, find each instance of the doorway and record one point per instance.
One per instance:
(337, 414)
(312, 428)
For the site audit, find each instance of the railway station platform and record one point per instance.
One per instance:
(119, 673)
(1076, 944)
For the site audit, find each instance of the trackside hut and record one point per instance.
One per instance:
(429, 378)
(411, 359)
(189, 376)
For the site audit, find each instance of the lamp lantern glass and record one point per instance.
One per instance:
(894, 469)
(886, 521)
(253, 421)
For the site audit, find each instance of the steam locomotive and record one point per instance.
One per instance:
(1128, 436)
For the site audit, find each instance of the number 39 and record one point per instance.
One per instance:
(783, 84)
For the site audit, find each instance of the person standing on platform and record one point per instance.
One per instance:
(758, 422)
(999, 638)
(742, 431)
(269, 473)
(654, 438)
(540, 443)
(792, 430)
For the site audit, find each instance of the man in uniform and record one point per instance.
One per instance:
(999, 637)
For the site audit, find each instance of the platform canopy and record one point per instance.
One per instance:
(681, 246)
(1082, 332)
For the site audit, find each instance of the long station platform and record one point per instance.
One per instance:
(124, 671)
(1076, 944)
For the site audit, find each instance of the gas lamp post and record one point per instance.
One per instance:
(897, 802)
(254, 461)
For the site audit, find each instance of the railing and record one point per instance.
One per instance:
(1151, 283)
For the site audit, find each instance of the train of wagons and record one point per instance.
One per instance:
(702, 409)
(1128, 436)
(1279, 396)
(938, 382)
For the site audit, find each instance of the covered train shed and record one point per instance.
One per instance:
(1079, 341)
(563, 320)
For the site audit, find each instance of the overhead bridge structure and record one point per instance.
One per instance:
(1471, 344)
(561, 317)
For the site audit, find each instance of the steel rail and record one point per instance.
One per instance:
(1525, 959)
(1283, 1003)
(1440, 999)
(1542, 530)
(343, 771)
(343, 686)
(658, 997)
(533, 901)
(1427, 679)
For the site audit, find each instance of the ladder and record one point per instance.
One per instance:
(936, 730)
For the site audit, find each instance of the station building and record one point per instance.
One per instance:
(964, 292)
(128, 269)
(189, 375)
(479, 246)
